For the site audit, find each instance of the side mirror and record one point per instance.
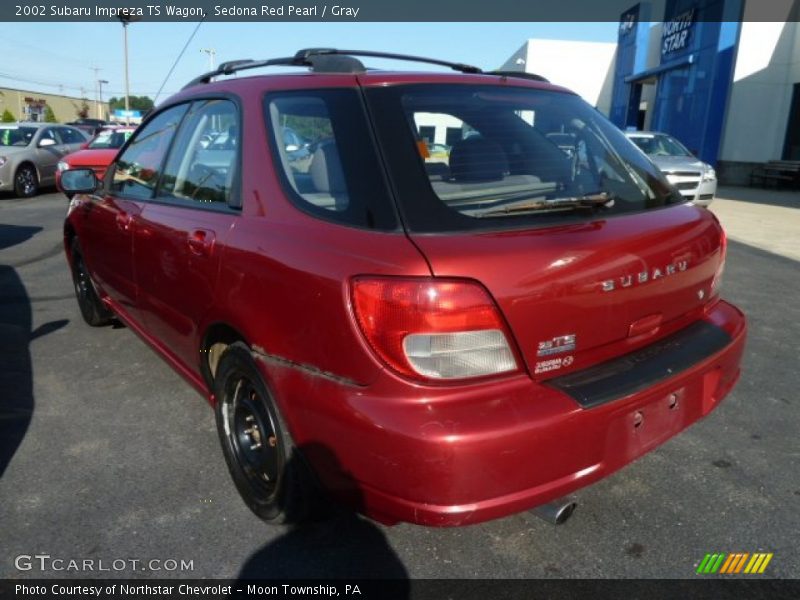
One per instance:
(78, 181)
(84, 145)
(47, 142)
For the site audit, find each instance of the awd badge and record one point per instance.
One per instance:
(557, 345)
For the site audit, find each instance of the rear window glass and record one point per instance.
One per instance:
(16, 136)
(469, 156)
(324, 151)
(110, 139)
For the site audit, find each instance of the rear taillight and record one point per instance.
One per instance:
(439, 329)
(716, 283)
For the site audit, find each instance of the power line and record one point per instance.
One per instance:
(39, 49)
(61, 86)
(186, 45)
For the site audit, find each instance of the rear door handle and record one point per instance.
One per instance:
(201, 241)
(123, 221)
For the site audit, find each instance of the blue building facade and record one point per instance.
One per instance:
(693, 75)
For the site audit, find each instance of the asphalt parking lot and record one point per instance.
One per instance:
(120, 458)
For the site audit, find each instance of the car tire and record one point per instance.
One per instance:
(26, 182)
(268, 470)
(93, 311)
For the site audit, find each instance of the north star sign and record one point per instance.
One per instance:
(675, 35)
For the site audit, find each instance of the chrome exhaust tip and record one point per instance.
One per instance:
(556, 512)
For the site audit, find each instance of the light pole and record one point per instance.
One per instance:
(125, 18)
(212, 53)
(96, 103)
(101, 112)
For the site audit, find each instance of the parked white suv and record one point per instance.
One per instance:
(695, 180)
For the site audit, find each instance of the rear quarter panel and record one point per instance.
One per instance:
(284, 275)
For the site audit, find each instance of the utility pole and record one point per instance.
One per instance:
(96, 101)
(100, 83)
(125, 18)
(127, 83)
(212, 54)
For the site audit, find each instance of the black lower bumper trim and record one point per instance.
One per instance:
(639, 370)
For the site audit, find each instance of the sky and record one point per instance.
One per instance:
(59, 57)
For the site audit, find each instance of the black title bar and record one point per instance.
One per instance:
(397, 589)
(361, 10)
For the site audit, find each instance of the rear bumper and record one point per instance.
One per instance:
(6, 177)
(446, 456)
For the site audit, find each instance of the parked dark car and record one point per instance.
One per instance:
(89, 125)
(434, 348)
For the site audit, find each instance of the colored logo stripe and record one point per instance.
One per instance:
(711, 563)
(734, 563)
(758, 563)
(727, 565)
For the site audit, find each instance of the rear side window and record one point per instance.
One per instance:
(139, 167)
(324, 152)
(203, 162)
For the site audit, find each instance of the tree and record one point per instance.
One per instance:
(140, 103)
(49, 115)
(83, 111)
(7, 117)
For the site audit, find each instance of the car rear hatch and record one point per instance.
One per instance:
(586, 248)
(580, 294)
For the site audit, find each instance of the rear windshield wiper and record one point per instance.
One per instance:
(590, 201)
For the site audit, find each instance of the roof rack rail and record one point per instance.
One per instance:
(232, 66)
(520, 75)
(324, 60)
(310, 52)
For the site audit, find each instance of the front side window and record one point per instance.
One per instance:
(202, 164)
(323, 148)
(49, 134)
(138, 169)
(468, 156)
(70, 136)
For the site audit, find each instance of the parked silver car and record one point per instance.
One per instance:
(695, 180)
(29, 154)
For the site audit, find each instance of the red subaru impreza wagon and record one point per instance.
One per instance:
(440, 338)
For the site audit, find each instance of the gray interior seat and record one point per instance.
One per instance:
(327, 179)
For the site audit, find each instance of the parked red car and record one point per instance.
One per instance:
(97, 154)
(435, 343)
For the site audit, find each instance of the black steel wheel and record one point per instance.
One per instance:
(271, 477)
(26, 182)
(92, 309)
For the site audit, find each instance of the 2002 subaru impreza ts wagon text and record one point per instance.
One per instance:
(435, 340)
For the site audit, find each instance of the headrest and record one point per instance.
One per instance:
(326, 169)
(478, 159)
